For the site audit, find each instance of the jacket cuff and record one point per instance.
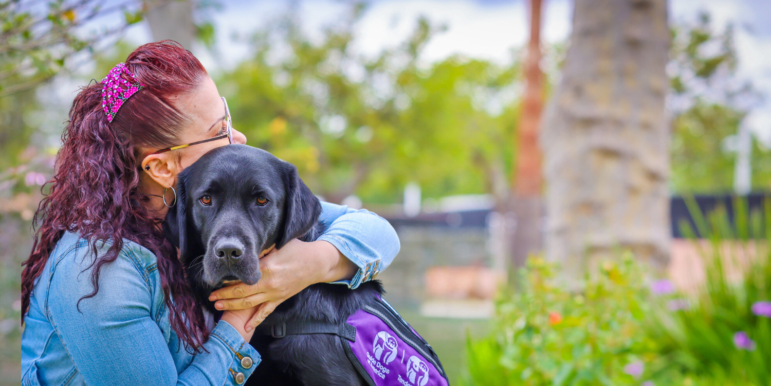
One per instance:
(245, 357)
(366, 271)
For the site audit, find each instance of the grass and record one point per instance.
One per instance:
(447, 337)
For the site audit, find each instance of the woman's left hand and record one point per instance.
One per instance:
(285, 272)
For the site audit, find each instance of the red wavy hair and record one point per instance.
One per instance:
(95, 189)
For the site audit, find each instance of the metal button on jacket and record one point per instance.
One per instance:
(240, 378)
(246, 362)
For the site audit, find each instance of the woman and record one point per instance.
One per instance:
(104, 299)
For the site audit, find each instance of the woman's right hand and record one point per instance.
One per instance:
(238, 319)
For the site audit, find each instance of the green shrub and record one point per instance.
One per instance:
(718, 335)
(618, 329)
(547, 335)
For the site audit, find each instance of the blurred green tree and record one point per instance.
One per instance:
(709, 103)
(37, 42)
(368, 126)
(37, 39)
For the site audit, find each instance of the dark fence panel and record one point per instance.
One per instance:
(678, 212)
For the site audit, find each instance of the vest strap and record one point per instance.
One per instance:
(280, 330)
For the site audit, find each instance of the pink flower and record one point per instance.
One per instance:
(743, 341)
(634, 369)
(762, 309)
(662, 287)
(678, 305)
(34, 178)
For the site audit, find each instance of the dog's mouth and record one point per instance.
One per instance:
(232, 279)
(228, 280)
(266, 251)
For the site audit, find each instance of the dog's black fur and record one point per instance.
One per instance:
(234, 177)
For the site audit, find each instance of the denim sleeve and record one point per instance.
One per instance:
(366, 239)
(114, 340)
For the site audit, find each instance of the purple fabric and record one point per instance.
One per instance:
(386, 358)
(389, 306)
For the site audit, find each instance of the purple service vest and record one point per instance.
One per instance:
(389, 352)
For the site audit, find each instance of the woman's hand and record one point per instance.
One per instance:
(285, 272)
(238, 320)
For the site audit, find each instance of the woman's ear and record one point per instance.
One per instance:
(162, 168)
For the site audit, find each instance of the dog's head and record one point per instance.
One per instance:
(233, 205)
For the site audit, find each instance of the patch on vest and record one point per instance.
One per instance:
(390, 352)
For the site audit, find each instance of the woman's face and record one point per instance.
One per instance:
(206, 111)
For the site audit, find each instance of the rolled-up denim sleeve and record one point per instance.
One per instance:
(366, 239)
(113, 339)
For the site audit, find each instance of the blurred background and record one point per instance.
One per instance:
(581, 189)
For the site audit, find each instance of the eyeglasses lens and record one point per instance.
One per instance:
(229, 121)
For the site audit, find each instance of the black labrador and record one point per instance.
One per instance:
(234, 203)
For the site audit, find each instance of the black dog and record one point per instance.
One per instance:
(234, 203)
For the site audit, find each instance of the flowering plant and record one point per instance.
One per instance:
(723, 333)
(618, 329)
(545, 334)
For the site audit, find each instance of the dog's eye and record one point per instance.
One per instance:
(206, 200)
(261, 201)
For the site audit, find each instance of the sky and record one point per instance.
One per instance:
(481, 29)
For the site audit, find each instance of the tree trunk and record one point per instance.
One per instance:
(526, 203)
(171, 20)
(605, 137)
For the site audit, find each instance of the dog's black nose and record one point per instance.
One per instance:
(229, 248)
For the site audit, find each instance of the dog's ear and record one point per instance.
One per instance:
(175, 224)
(301, 207)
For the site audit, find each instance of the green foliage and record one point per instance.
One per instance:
(700, 162)
(36, 40)
(369, 126)
(547, 335)
(704, 91)
(700, 339)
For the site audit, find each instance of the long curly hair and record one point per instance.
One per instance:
(95, 189)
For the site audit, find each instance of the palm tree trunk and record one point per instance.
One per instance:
(606, 137)
(526, 203)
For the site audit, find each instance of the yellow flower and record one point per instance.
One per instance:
(69, 15)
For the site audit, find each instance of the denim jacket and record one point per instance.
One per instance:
(122, 336)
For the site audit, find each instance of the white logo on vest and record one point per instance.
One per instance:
(384, 342)
(417, 372)
(384, 348)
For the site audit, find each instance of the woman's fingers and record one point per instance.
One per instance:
(242, 303)
(263, 311)
(235, 291)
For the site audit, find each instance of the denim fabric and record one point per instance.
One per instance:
(122, 336)
(366, 239)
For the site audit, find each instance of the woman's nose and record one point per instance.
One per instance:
(239, 137)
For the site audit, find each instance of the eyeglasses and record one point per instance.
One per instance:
(229, 134)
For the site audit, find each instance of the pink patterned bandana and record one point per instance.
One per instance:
(116, 90)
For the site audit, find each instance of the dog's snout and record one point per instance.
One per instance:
(230, 249)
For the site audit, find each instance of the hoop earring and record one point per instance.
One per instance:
(175, 197)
